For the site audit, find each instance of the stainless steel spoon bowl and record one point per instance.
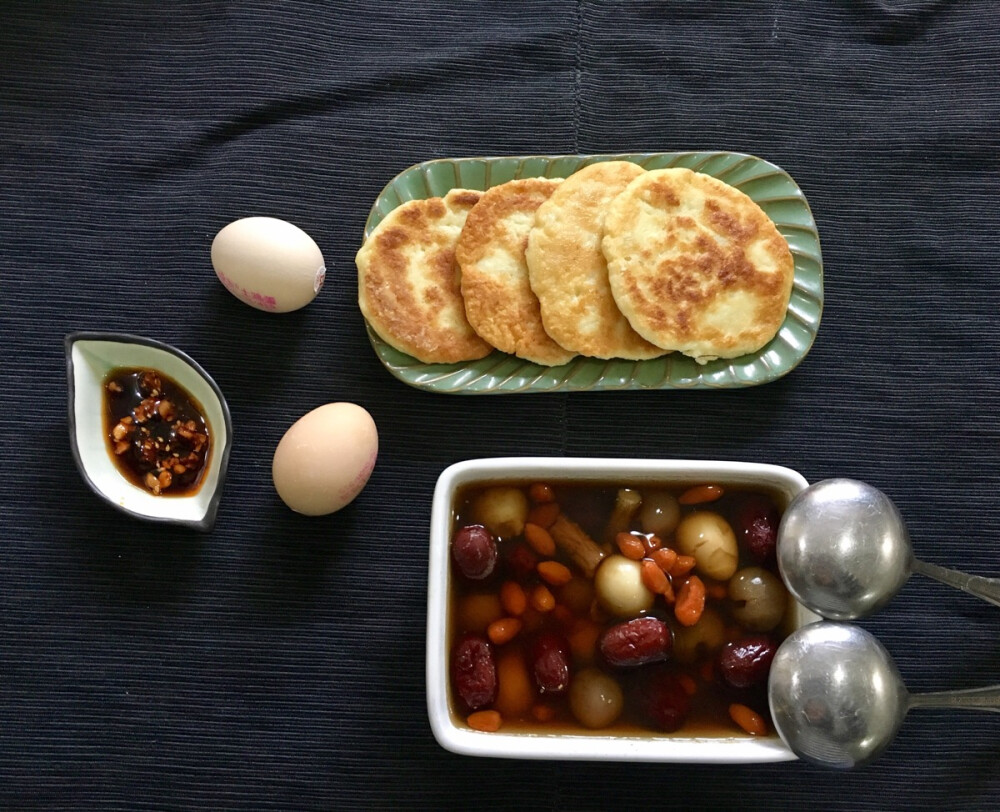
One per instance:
(837, 698)
(844, 552)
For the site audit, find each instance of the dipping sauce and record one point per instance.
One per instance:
(615, 608)
(156, 431)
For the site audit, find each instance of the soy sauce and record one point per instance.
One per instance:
(156, 431)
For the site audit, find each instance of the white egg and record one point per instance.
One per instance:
(268, 263)
(325, 458)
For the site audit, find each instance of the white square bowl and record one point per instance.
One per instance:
(449, 728)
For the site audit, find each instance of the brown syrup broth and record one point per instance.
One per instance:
(590, 505)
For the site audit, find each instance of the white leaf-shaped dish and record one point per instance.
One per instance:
(90, 357)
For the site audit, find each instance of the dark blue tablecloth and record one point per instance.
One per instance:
(278, 661)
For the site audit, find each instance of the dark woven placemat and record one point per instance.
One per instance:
(278, 661)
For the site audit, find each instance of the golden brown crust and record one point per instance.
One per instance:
(499, 302)
(567, 269)
(408, 280)
(696, 265)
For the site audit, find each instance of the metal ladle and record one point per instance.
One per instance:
(843, 551)
(837, 698)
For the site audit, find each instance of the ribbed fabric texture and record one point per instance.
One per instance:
(278, 662)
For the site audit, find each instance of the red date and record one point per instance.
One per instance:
(666, 701)
(550, 663)
(474, 671)
(757, 528)
(746, 662)
(522, 561)
(475, 551)
(637, 642)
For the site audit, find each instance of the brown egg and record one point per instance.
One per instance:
(325, 458)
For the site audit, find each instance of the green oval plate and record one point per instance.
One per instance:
(772, 189)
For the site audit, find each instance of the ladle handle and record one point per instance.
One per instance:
(986, 588)
(987, 699)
